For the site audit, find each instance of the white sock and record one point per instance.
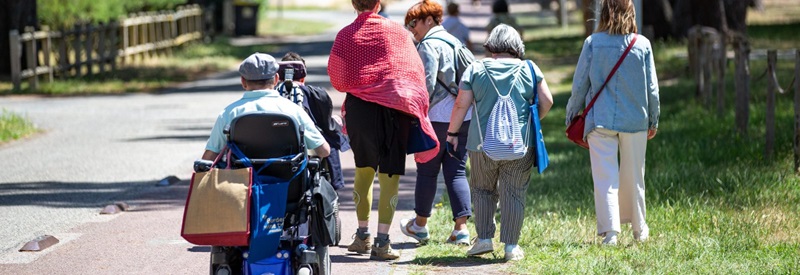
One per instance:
(510, 247)
(416, 227)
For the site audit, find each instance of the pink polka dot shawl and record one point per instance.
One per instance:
(375, 60)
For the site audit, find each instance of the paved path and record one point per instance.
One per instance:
(94, 151)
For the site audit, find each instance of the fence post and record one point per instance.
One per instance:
(31, 56)
(151, 31)
(721, 65)
(797, 112)
(166, 24)
(742, 49)
(199, 22)
(63, 56)
(76, 50)
(772, 58)
(102, 56)
(134, 37)
(16, 67)
(125, 39)
(48, 48)
(89, 42)
(114, 51)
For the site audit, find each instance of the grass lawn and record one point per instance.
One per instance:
(714, 203)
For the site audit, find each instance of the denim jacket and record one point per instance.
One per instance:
(630, 100)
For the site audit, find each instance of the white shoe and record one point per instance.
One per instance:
(611, 238)
(641, 236)
(482, 246)
(514, 254)
(406, 226)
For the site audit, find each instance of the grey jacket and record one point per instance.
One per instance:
(630, 100)
(437, 58)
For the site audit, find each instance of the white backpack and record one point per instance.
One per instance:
(503, 140)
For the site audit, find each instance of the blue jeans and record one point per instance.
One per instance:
(455, 175)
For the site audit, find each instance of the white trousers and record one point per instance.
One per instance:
(618, 183)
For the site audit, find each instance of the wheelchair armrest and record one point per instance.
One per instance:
(314, 163)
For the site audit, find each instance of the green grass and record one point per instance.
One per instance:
(274, 26)
(715, 205)
(13, 126)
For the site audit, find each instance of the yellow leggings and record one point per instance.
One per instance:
(362, 194)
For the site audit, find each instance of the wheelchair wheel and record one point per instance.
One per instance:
(324, 261)
(225, 260)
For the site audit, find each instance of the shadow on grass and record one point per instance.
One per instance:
(457, 261)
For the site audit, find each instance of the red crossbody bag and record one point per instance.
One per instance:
(576, 126)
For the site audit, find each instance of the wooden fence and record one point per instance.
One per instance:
(86, 49)
(708, 57)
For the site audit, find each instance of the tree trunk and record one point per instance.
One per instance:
(17, 14)
(658, 15)
(742, 80)
(687, 13)
(736, 15)
(588, 16)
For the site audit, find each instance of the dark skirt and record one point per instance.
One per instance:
(378, 135)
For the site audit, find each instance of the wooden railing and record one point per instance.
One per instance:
(86, 49)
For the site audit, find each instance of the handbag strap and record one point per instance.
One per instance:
(619, 62)
(535, 96)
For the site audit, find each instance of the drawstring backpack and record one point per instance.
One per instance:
(503, 140)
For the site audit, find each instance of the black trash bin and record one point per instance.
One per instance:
(246, 18)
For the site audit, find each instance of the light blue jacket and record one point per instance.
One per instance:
(630, 101)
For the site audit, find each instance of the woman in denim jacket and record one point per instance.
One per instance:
(623, 118)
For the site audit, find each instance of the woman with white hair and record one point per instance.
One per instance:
(507, 180)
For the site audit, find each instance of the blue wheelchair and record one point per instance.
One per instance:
(294, 211)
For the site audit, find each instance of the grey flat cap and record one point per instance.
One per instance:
(258, 66)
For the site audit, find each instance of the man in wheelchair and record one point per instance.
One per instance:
(259, 75)
(270, 133)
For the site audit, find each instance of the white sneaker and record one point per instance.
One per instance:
(406, 226)
(514, 254)
(641, 236)
(611, 238)
(482, 246)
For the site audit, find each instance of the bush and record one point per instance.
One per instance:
(64, 13)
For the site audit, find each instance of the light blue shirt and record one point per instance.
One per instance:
(511, 75)
(630, 100)
(263, 101)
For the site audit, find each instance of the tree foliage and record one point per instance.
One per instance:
(64, 13)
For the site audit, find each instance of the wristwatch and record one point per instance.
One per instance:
(449, 134)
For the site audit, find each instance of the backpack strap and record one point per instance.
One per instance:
(455, 59)
(475, 110)
(491, 80)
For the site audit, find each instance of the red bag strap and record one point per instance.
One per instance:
(619, 62)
